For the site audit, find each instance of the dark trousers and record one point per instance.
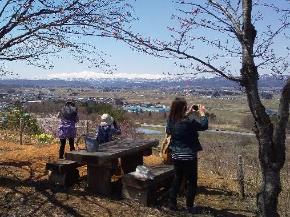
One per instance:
(186, 169)
(62, 145)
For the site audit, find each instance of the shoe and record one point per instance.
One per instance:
(172, 205)
(192, 210)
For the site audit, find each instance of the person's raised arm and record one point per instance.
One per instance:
(203, 123)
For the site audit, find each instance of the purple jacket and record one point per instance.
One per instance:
(67, 129)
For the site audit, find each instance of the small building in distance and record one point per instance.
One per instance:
(266, 95)
(216, 94)
(118, 102)
(3, 95)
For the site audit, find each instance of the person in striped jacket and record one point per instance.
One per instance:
(184, 146)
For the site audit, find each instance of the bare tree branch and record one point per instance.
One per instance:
(30, 29)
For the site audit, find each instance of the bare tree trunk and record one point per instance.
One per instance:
(271, 143)
(268, 197)
(271, 150)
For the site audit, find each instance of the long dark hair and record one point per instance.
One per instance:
(178, 109)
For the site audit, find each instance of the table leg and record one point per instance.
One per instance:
(99, 178)
(129, 163)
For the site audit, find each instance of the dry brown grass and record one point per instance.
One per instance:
(25, 192)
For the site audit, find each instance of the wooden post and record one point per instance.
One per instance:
(241, 176)
(21, 127)
(164, 115)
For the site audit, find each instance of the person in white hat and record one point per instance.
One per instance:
(106, 129)
(106, 119)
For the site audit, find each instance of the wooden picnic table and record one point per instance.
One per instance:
(100, 163)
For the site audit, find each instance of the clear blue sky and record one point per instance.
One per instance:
(154, 18)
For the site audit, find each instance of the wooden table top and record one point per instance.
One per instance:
(113, 150)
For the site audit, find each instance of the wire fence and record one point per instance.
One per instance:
(235, 160)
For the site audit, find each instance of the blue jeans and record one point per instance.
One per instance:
(184, 169)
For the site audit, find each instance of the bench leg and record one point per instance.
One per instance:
(146, 196)
(64, 179)
(99, 178)
(130, 163)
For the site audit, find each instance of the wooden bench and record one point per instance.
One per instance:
(148, 192)
(63, 172)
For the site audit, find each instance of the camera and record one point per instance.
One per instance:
(195, 107)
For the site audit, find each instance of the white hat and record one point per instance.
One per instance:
(107, 119)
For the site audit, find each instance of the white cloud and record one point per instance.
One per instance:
(96, 75)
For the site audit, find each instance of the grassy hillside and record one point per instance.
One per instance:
(24, 190)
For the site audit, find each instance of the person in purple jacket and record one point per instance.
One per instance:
(67, 128)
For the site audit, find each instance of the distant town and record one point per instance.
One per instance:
(37, 91)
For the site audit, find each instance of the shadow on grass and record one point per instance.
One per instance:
(46, 199)
(214, 191)
(14, 190)
(222, 212)
(210, 211)
(206, 211)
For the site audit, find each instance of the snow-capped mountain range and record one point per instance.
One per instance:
(127, 81)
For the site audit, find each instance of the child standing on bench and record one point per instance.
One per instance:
(67, 128)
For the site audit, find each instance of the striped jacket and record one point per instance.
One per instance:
(184, 143)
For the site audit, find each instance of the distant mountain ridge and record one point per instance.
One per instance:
(123, 83)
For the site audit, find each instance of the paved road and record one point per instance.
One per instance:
(228, 132)
(216, 131)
